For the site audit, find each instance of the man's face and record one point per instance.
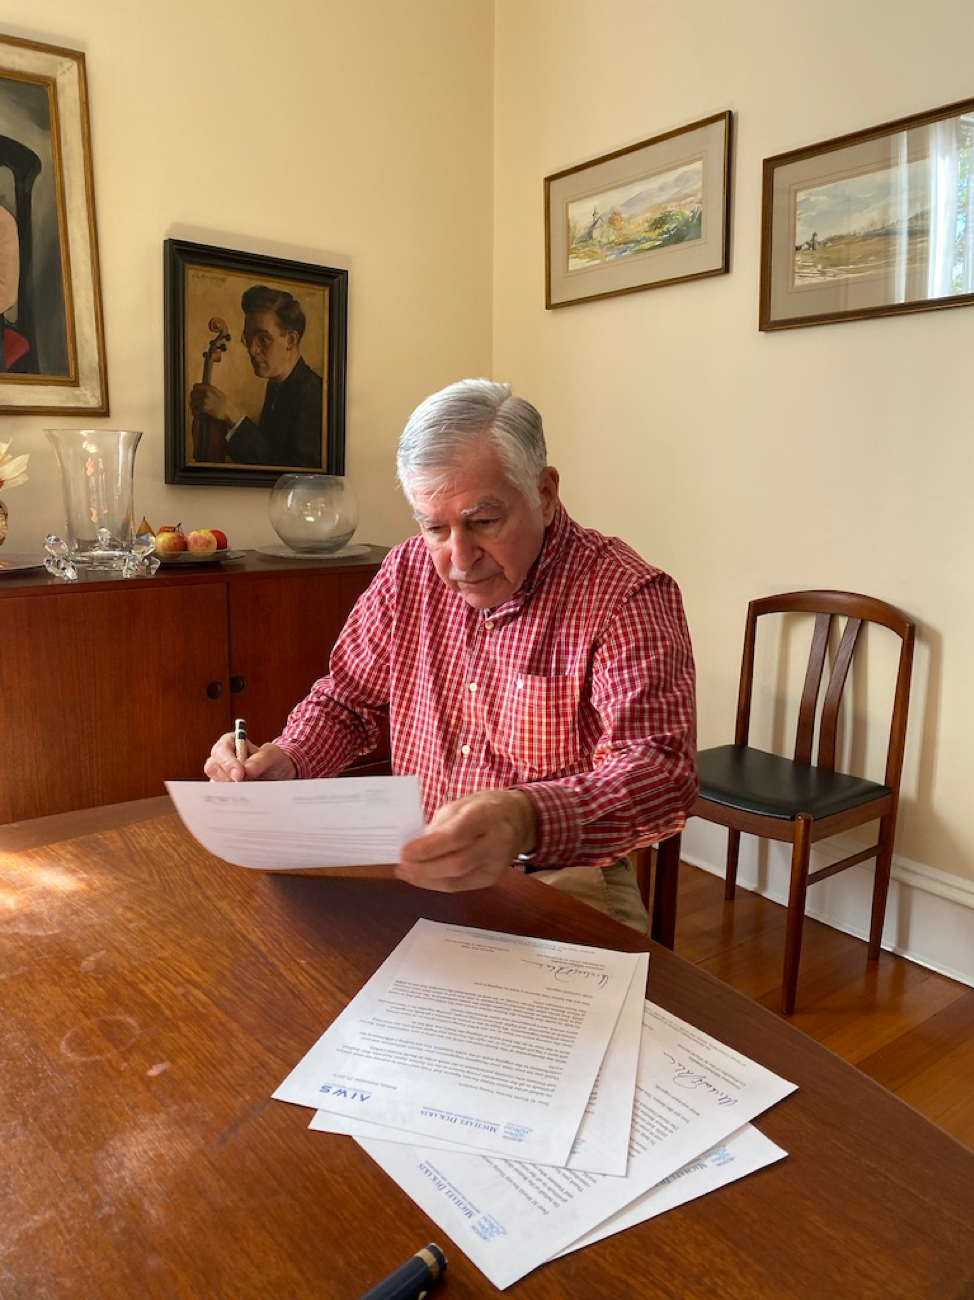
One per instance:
(272, 352)
(482, 534)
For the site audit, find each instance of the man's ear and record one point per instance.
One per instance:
(548, 481)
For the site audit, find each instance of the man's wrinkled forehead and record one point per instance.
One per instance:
(487, 503)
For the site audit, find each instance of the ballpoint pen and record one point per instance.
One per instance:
(240, 740)
(412, 1280)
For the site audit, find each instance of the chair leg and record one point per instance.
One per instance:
(730, 876)
(663, 928)
(642, 861)
(800, 855)
(884, 864)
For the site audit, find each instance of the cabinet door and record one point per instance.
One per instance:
(104, 694)
(282, 629)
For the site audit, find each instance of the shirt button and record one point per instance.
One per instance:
(489, 625)
(464, 749)
(472, 686)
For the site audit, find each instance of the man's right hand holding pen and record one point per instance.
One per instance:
(262, 762)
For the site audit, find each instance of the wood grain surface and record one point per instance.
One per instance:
(152, 997)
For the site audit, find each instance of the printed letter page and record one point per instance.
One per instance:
(602, 1143)
(692, 1093)
(493, 1040)
(288, 825)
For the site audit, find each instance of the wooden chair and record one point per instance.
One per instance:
(798, 801)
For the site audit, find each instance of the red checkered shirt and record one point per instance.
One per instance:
(579, 690)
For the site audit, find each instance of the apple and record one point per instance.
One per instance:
(170, 540)
(221, 539)
(201, 541)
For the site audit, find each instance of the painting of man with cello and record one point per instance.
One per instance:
(255, 383)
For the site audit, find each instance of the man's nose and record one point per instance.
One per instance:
(464, 551)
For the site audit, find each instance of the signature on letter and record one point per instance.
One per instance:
(684, 1077)
(566, 973)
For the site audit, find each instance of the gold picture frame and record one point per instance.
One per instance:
(52, 342)
(653, 213)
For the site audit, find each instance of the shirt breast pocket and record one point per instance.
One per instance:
(538, 724)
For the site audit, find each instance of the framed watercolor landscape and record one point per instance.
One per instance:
(654, 213)
(874, 223)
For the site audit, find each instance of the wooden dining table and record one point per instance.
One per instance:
(152, 997)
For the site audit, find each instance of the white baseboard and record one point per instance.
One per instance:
(929, 916)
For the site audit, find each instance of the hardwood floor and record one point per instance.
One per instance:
(907, 1027)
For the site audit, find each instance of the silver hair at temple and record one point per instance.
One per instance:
(444, 429)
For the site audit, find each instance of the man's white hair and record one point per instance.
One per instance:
(444, 430)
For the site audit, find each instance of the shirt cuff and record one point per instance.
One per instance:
(559, 831)
(302, 768)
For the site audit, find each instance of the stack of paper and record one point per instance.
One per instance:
(524, 1093)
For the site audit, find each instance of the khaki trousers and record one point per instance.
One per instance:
(613, 890)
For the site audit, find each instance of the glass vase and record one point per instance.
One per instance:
(313, 514)
(97, 468)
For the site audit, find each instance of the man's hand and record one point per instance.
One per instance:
(265, 763)
(204, 399)
(471, 843)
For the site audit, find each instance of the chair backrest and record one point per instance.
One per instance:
(828, 606)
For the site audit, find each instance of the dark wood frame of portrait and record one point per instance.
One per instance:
(891, 148)
(228, 272)
(60, 367)
(707, 142)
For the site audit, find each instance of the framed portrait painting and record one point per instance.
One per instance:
(874, 223)
(653, 213)
(52, 345)
(255, 366)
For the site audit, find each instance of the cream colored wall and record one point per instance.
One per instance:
(357, 135)
(743, 462)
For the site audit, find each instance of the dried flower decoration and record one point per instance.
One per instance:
(13, 469)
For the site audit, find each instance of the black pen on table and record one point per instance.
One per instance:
(412, 1280)
(240, 740)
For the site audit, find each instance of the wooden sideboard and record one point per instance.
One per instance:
(111, 686)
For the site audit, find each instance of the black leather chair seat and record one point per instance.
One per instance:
(750, 780)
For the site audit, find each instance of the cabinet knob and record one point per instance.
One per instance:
(214, 690)
(237, 683)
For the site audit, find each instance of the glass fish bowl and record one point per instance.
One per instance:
(313, 514)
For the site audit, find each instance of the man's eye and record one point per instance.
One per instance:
(434, 530)
(484, 523)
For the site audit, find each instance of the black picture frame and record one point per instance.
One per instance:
(203, 326)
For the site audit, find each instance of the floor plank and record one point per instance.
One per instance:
(909, 1028)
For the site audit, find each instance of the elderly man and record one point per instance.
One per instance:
(537, 676)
